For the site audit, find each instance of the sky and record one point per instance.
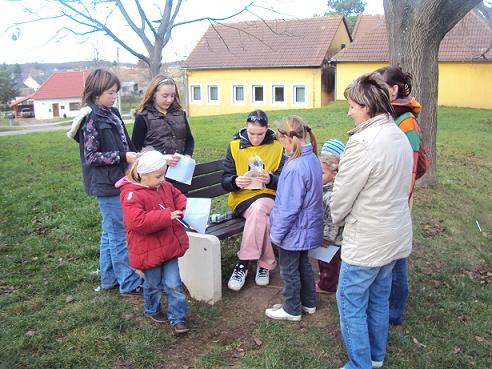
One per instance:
(36, 42)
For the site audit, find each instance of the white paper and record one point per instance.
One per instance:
(197, 213)
(183, 171)
(255, 182)
(323, 253)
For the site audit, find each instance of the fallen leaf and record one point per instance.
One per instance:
(69, 299)
(30, 333)
(257, 341)
(480, 339)
(456, 350)
(418, 343)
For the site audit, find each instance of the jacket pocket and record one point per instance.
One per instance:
(350, 231)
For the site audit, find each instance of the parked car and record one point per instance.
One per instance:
(27, 113)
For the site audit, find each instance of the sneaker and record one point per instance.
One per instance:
(238, 277)
(180, 328)
(377, 364)
(277, 312)
(136, 292)
(262, 276)
(160, 317)
(308, 310)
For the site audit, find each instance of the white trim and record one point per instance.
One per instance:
(192, 95)
(213, 102)
(294, 87)
(233, 93)
(273, 86)
(259, 102)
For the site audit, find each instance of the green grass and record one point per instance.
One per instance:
(49, 231)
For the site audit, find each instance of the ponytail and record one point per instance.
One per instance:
(132, 174)
(294, 127)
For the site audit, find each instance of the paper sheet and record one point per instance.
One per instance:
(183, 171)
(197, 213)
(324, 253)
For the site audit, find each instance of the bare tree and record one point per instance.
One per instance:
(415, 31)
(94, 16)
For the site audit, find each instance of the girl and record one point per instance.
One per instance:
(105, 152)
(296, 221)
(151, 207)
(406, 110)
(160, 121)
(256, 138)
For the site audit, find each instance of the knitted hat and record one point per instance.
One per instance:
(150, 162)
(333, 146)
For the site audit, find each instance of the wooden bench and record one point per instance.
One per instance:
(201, 265)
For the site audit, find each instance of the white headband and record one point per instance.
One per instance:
(150, 162)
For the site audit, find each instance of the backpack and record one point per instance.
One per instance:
(424, 162)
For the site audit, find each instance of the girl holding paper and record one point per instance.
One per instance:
(161, 122)
(253, 147)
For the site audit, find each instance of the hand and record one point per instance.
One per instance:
(131, 157)
(176, 214)
(325, 243)
(243, 181)
(264, 177)
(172, 160)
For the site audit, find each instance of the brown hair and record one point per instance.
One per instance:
(370, 90)
(395, 76)
(154, 85)
(294, 126)
(98, 81)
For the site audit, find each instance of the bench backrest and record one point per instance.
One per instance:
(206, 182)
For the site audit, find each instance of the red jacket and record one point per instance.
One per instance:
(153, 238)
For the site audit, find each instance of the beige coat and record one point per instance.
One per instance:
(370, 194)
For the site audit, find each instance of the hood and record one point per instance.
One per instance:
(406, 105)
(124, 185)
(243, 136)
(77, 121)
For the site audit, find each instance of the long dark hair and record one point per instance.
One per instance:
(154, 85)
(395, 76)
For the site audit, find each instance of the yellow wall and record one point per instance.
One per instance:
(462, 84)
(225, 79)
(341, 37)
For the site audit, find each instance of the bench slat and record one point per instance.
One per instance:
(212, 191)
(226, 229)
(211, 166)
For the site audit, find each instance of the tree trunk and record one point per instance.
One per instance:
(415, 31)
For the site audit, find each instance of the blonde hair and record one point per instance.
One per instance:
(133, 175)
(294, 127)
(331, 161)
(371, 91)
(154, 85)
(98, 81)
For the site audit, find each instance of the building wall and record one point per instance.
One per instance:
(225, 79)
(460, 84)
(43, 109)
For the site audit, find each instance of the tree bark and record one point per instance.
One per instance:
(415, 31)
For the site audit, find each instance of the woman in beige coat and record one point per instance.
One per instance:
(370, 197)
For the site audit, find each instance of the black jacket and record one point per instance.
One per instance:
(229, 176)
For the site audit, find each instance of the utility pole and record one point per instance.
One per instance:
(118, 100)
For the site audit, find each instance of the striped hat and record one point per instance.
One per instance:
(333, 146)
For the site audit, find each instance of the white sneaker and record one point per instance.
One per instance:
(262, 276)
(277, 312)
(308, 310)
(377, 364)
(238, 277)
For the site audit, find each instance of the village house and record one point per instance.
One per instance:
(270, 65)
(465, 60)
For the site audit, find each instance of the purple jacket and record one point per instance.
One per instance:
(296, 220)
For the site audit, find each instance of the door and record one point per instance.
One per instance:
(56, 111)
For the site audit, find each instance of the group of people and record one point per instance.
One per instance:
(357, 197)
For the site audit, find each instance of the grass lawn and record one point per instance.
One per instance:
(50, 316)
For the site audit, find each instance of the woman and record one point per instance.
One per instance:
(253, 141)
(161, 122)
(370, 196)
(406, 110)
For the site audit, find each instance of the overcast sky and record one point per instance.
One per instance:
(33, 43)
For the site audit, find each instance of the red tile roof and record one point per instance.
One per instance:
(271, 43)
(365, 23)
(21, 100)
(62, 84)
(466, 41)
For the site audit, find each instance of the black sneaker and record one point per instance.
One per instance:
(160, 317)
(180, 328)
(238, 277)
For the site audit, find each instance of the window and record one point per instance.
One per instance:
(62, 107)
(238, 94)
(196, 93)
(213, 94)
(258, 96)
(278, 93)
(299, 94)
(74, 106)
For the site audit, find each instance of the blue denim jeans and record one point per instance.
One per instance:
(399, 292)
(298, 278)
(113, 248)
(363, 305)
(165, 278)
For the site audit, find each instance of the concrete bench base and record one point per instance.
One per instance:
(200, 268)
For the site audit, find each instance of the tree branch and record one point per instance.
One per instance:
(140, 32)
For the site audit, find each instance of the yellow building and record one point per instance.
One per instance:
(465, 60)
(269, 65)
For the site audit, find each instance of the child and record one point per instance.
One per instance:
(151, 207)
(105, 152)
(161, 122)
(332, 234)
(296, 225)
